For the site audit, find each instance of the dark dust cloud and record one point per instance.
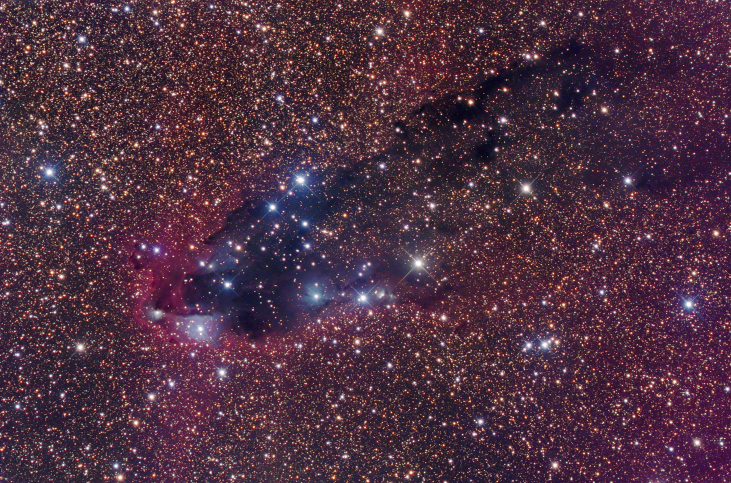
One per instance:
(368, 242)
(264, 272)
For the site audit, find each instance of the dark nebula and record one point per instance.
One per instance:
(272, 267)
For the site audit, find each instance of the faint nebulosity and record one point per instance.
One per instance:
(451, 241)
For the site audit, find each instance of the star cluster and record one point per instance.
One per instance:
(370, 242)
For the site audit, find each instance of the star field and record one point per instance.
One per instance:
(367, 242)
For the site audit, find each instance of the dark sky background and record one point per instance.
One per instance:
(365, 242)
